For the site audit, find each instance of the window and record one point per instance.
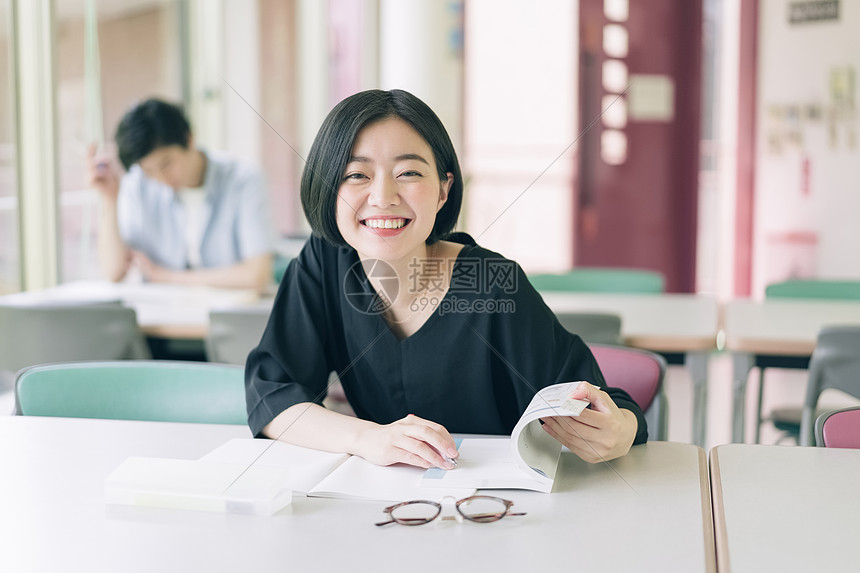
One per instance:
(10, 265)
(139, 56)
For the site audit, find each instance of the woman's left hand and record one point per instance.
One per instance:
(600, 433)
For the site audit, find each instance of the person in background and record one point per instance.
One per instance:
(181, 214)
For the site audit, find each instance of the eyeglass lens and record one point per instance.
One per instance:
(482, 508)
(415, 513)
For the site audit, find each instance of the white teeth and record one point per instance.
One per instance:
(385, 223)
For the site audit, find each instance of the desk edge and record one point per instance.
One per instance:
(707, 514)
(721, 539)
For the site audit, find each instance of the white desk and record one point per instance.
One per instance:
(672, 323)
(775, 327)
(784, 508)
(657, 518)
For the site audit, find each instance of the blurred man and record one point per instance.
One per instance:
(181, 214)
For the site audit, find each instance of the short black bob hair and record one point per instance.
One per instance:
(333, 145)
(150, 124)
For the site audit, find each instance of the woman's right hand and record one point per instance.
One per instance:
(411, 440)
(101, 174)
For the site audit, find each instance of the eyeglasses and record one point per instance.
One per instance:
(479, 508)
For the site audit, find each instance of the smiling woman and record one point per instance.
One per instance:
(460, 343)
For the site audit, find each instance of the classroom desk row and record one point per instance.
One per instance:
(763, 508)
(692, 326)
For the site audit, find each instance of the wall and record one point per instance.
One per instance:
(807, 203)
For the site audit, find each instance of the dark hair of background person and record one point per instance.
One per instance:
(333, 144)
(151, 124)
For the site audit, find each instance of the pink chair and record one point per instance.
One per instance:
(839, 429)
(640, 373)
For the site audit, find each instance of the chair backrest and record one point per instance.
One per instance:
(835, 363)
(233, 333)
(599, 279)
(162, 391)
(641, 374)
(593, 327)
(839, 428)
(813, 288)
(61, 333)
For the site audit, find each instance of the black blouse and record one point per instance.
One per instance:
(473, 366)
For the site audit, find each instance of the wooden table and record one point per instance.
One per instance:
(666, 323)
(648, 511)
(163, 310)
(785, 508)
(775, 327)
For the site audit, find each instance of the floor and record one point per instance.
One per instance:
(782, 388)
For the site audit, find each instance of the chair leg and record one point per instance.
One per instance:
(758, 405)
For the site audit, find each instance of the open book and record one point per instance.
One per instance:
(260, 477)
(528, 460)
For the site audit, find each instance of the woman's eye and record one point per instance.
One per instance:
(410, 174)
(355, 176)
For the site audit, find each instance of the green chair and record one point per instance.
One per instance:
(598, 279)
(788, 419)
(820, 289)
(279, 267)
(161, 391)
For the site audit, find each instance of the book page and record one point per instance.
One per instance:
(485, 463)
(535, 450)
(526, 460)
(306, 467)
(357, 478)
(323, 474)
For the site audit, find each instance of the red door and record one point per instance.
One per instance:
(638, 165)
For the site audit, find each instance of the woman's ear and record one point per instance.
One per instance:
(444, 188)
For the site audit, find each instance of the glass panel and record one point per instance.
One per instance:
(614, 76)
(617, 10)
(279, 108)
(139, 57)
(10, 263)
(613, 147)
(615, 41)
(614, 111)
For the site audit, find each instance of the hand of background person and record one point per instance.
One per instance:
(102, 175)
(411, 440)
(149, 271)
(600, 433)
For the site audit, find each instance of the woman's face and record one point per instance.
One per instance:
(390, 192)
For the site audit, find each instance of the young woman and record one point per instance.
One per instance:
(428, 332)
